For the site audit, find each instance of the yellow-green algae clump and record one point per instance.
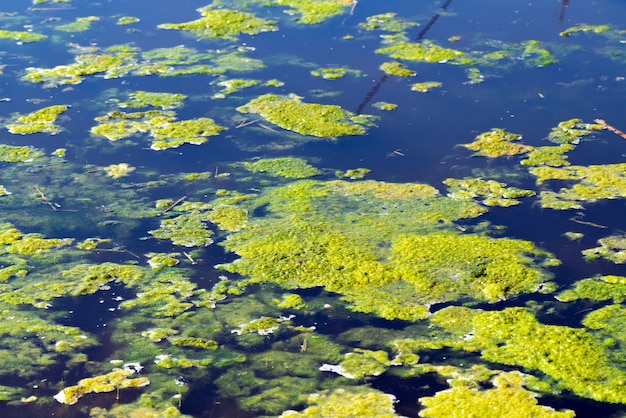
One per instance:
(223, 24)
(166, 131)
(16, 154)
(81, 24)
(115, 380)
(573, 359)
(424, 51)
(289, 112)
(493, 192)
(612, 248)
(288, 167)
(312, 12)
(388, 249)
(40, 121)
(599, 288)
(507, 398)
(498, 143)
(591, 183)
(348, 402)
(22, 37)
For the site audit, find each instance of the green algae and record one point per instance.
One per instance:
(291, 301)
(223, 24)
(573, 236)
(612, 248)
(16, 154)
(234, 85)
(117, 171)
(290, 113)
(493, 192)
(22, 37)
(396, 69)
(40, 121)
(354, 173)
(362, 364)
(334, 73)
(165, 101)
(228, 217)
(584, 28)
(385, 106)
(425, 51)
(115, 380)
(84, 65)
(548, 156)
(507, 398)
(387, 22)
(127, 20)
(474, 76)
(426, 86)
(394, 266)
(312, 12)
(186, 230)
(162, 126)
(591, 183)
(348, 402)
(598, 288)
(573, 358)
(498, 143)
(287, 167)
(572, 131)
(81, 24)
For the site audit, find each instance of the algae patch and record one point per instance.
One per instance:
(290, 113)
(40, 121)
(223, 24)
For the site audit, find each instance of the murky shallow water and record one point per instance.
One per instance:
(194, 280)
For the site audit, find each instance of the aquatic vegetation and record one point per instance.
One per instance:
(612, 248)
(228, 217)
(474, 76)
(22, 37)
(81, 24)
(334, 73)
(287, 167)
(572, 131)
(354, 401)
(498, 143)
(393, 266)
(592, 183)
(312, 12)
(548, 156)
(291, 301)
(426, 86)
(388, 22)
(425, 51)
(16, 154)
(396, 69)
(187, 229)
(233, 86)
(84, 64)
(162, 126)
(165, 101)
(583, 28)
(115, 380)
(223, 24)
(354, 173)
(385, 106)
(573, 357)
(597, 288)
(507, 398)
(289, 112)
(118, 171)
(40, 121)
(127, 20)
(493, 192)
(573, 236)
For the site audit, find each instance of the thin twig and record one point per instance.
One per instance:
(610, 128)
(45, 199)
(578, 221)
(268, 128)
(189, 258)
(246, 123)
(173, 205)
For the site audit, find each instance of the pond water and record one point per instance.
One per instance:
(320, 208)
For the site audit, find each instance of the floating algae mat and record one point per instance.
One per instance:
(247, 208)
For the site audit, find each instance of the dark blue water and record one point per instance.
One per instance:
(417, 142)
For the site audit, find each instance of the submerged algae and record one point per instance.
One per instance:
(223, 24)
(81, 24)
(16, 154)
(40, 121)
(289, 112)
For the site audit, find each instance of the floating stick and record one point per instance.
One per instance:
(173, 205)
(610, 128)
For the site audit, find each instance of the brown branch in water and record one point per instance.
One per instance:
(610, 128)
(45, 199)
(578, 221)
(173, 205)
